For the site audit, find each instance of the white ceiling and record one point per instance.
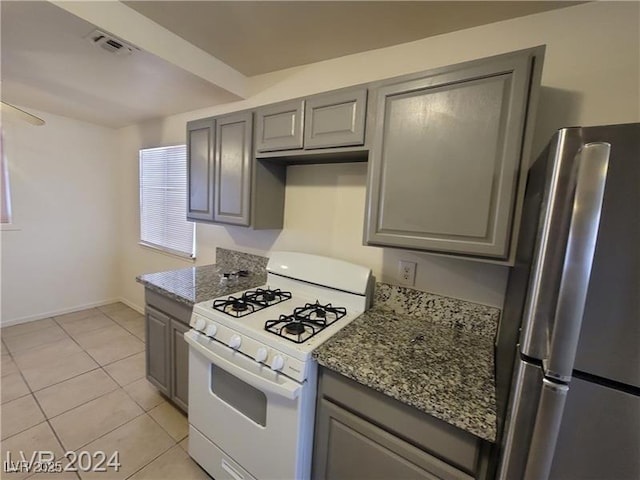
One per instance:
(48, 65)
(196, 54)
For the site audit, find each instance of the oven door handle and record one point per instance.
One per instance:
(287, 388)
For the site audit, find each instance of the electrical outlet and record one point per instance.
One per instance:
(407, 273)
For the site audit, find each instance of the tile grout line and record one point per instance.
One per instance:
(46, 419)
(35, 399)
(164, 429)
(33, 392)
(91, 356)
(110, 431)
(88, 331)
(83, 403)
(126, 423)
(152, 460)
(121, 387)
(118, 386)
(105, 371)
(46, 342)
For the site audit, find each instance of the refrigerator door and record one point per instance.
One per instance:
(525, 395)
(564, 255)
(599, 436)
(609, 345)
(545, 430)
(581, 244)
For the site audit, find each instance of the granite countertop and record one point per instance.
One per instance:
(198, 284)
(447, 373)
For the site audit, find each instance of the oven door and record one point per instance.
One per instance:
(258, 419)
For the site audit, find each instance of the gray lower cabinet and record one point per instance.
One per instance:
(157, 342)
(167, 353)
(449, 157)
(179, 365)
(361, 433)
(200, 169)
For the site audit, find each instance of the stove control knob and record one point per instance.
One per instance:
(277, 363)
(235, 342)
(261, 354)
(211, 330)
(200, 324)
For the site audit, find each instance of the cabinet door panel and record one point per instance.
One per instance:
(157, 349)
(350, 447)
(179, 365)
(446, 159)
(279, 127)
(200, 165)
(335, 119)
(233, 169)
(453, 162)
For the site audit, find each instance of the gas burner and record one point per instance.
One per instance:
(295, 328)
(305, 321)
(266, 296)
(236, 307)
(239, 306)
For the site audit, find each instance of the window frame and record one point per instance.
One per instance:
(6, 214)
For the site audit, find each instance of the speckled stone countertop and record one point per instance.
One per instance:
(448, 372)
(197, 284)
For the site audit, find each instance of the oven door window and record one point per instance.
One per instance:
(248, 400)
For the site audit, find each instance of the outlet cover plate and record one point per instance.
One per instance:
(406, 273)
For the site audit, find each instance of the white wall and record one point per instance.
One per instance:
(591, 76)
(65, 203)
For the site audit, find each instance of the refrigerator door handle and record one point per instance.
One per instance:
(576, 271)
(545, 430)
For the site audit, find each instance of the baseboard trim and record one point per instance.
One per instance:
(54, 313)
(130, 304)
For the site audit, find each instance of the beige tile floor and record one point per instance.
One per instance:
(76, 383)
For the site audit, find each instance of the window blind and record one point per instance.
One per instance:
(163, 200)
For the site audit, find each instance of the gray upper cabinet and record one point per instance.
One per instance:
(279, 127)
(335, 119)
(200, 168)
(301, 127)
(233, 160)
(449, 157)
(227, 184)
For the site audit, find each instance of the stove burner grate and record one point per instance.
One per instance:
(266, 296)
(251, 301)
(305, 322)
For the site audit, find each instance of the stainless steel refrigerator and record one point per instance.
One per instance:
(568, 348)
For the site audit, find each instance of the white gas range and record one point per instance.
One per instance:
(252, 380)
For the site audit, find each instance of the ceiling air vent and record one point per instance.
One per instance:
(110, 43)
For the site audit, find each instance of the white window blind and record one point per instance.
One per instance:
(163, 200)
